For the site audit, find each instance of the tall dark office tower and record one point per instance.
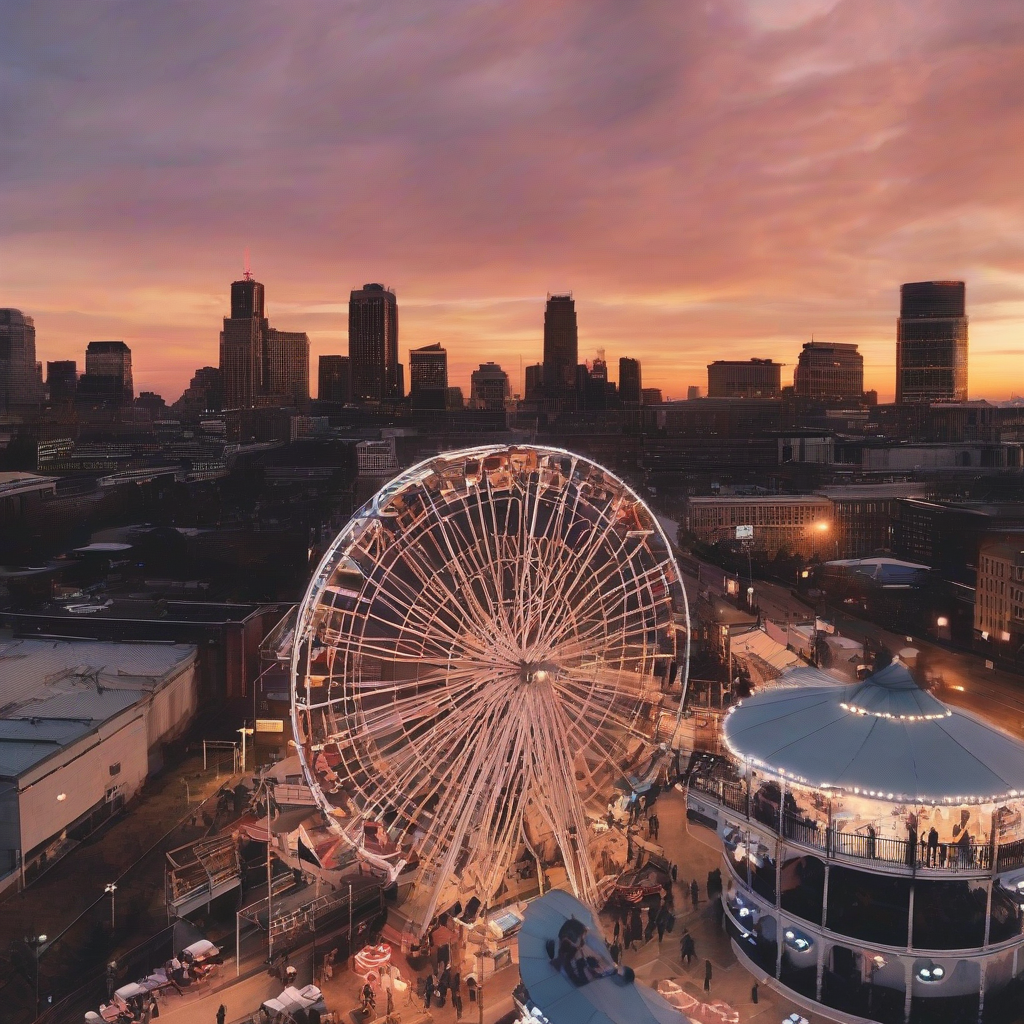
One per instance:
(561, 351)
(373, 344)
(428, 377)
(242, 345)
(630, 384)
(62, 380)
(931, 342)
(830, 372)
(112, 359)
(20, 378)
(334, 380)
(286, 366)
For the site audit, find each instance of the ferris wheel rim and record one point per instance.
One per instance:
(375, 509)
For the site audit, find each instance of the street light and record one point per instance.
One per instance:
(111, 888)
(37, 942)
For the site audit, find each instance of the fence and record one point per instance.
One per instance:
(833, 842)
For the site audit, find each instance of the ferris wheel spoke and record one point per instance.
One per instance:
(422, 666)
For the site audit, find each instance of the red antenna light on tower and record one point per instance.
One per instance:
(248, 273)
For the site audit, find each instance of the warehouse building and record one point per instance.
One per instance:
(82, 725)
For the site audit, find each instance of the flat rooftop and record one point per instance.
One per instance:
(52, 692)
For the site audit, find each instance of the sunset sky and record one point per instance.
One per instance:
(710, 179)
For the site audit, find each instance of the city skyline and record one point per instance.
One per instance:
(754, 174)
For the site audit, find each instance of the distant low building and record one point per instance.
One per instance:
(800, 524)
(751, 378)
(829, 371)
(377, 458)
(651, 396)
(864, 514)
(428, 378)
(334, 380)
(489, 387)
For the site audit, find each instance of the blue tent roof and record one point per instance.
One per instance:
(607, 1000)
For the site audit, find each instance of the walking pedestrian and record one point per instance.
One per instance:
(694, 893)
(221, 1014)
(707, 975)
(675, 873)
(662, 924)
(636, 927)
(616, 932)
(933, 846)
(457, 1003)
(428, 991)
(651, 924)
(442, 985)
(688, 951)
(615, 951)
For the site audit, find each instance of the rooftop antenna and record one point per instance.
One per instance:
(248, 273)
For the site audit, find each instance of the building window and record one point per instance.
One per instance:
(115, 768)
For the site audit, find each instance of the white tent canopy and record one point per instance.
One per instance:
(607, 1000)
(882, 737)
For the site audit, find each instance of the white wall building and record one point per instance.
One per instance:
(81, 727)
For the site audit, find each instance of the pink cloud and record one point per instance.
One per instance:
(724, 178)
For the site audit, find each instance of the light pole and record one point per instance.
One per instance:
(37, 942)
(111, 888)
(245, 732)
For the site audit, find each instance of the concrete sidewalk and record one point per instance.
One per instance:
(695, 854)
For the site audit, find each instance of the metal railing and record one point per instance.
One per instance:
(833, 842)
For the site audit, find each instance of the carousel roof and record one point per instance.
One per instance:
(607, 1000)
(883, 737)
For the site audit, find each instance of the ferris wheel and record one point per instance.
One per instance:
(477, 661)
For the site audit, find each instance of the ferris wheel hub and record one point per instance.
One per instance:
(537, 671)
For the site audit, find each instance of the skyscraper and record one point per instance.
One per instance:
(20, 377)
(829, 371)
(489, 387)
(561, 351)
(428, 377)
(286, 366)
(62, 380)
(334, 380)
(113, 360)
(242, 344)
(630, 384)
(373, 344)
(931, 342)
